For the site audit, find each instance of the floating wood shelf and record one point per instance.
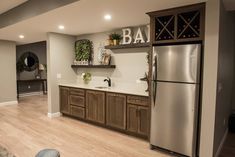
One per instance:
(93, 66)
(127, 46)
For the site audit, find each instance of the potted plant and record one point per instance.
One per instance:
(115, 37)
(19, 67)
(110, 40)
(86, 77)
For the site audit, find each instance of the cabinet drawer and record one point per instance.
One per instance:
(76, 91)
(78, 111)
(139, 100)
(77, 100)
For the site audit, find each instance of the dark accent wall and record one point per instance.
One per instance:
(38, 49)
(225, 76)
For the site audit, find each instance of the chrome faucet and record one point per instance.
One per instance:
(108, 80)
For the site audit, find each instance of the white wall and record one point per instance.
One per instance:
(209, 78)
(8, 71)
(131, 64)
(60, 56)
(225, 76)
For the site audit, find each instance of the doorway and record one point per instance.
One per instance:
(31, 67)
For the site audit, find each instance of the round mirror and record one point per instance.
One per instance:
(30, 61)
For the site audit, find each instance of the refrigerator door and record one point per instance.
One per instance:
(174, 117)
(178, 63)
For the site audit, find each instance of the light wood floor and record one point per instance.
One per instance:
(25, 129)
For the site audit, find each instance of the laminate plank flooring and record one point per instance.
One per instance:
(25, 129)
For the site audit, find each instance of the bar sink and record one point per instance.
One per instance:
(102, 87)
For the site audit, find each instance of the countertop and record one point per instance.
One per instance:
(124, 88)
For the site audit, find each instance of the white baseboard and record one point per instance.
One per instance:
(8, 103)
(30, 94)
(53, 115)
(221, 144)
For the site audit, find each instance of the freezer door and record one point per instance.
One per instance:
(178, 63)
(174, 117)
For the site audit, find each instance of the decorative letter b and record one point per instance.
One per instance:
(127, 39)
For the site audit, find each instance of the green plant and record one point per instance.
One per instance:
(83, 50)
(86, 77)
(115, 36)
(20, 66)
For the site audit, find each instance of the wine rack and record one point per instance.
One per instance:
(165, 28)
(183, 24)
(188, 25)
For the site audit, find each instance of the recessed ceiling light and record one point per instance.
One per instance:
(21, 36)
(61, 27)
(107, 17)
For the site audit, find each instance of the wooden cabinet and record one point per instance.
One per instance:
(138, 112)
(132, 118)
(181, 24)
(126, 113)
(138, 119)
(76, 91)
(64, 100)
(143, 120)
(95, 106)
(116, 110)
(77, 102)
(138, 100)
(78, 112)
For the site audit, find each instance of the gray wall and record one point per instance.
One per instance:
(60, 56)
(217, 77)
(225, 75)
(131, 64)
(39, 49)
(209, 78)
(8, 71)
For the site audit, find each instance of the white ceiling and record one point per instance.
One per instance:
(6, 5)
(86, 16)
(229, 4)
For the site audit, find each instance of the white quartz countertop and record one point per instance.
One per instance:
(124, 88)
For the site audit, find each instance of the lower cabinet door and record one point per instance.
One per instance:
(144, 120)
(77, 111)
(132, 118)
(64, 100)
(116, 110)
(95, 106)
(138, 119)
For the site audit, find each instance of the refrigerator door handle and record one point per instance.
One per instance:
(154, 77)
(154, 93)
(154, 65)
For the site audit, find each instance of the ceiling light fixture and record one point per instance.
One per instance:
(61, 27)
(107, 17)
(21, 36)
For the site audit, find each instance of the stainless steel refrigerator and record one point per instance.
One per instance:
(175, 87)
